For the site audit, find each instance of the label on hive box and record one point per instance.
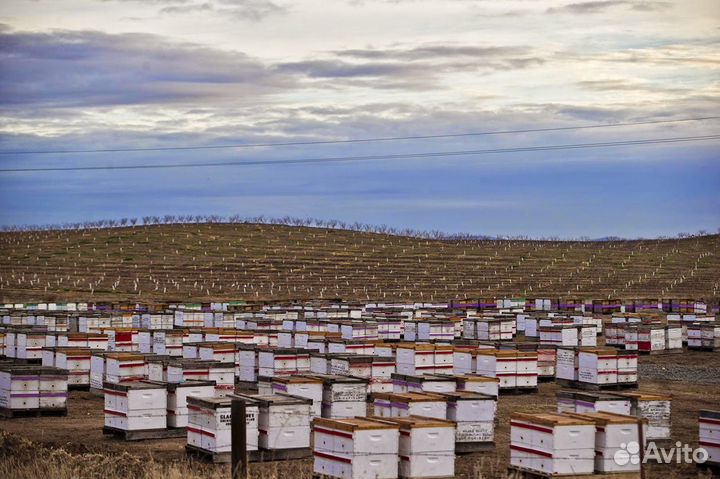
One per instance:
(474, 432)
(345, 395)
(656, 412)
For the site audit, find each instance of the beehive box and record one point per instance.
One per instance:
(283, 421)
(597, 366)
(478, 384)
(135, 406)
(210, 423)
(514, 369)
(308, 387)
(223, 374)
(553, 444)
(613, 432)
(97, 341)
(426, 447)
(415, 358)
(124, 367)
(168, 342)
(673, 337)
(19, 387)
(29, 344)
(705, 335)
(586, 402)
(709, 435)
(474, 414)
(283, 361)
(177, 396)
(334, 344)
(426, 383)
(355, 448)
(559, 335)
(651, 338)
(343, 396)
(627, 367)
(656, 409)
(409, 404)
(76, 361)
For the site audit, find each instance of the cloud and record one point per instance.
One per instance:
(89, 68)
(599, 6)
(629, 85)
(253, 10)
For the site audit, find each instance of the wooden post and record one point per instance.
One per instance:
(238, 434)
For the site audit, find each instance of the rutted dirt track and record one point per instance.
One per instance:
(80, 432)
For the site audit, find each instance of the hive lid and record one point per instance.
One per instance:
(189, 383)
(300, 379)
(602, 417)
(277, 399)
(334, 379)
(134, 385)
(355, 424)
(709, 414)
(408, 397)
(411, 422)
(597, 396)
(467, 395)
(643, 396)
(126, 356)
(477, 379)
(551, 419)
(600, 351)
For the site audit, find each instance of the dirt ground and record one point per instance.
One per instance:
(81, 430)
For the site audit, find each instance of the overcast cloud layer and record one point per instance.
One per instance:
(94, 74)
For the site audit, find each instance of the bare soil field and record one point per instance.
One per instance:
(204, 262)
(78, 440)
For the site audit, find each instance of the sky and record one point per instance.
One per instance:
(119, 74)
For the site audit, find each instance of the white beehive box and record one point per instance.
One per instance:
(627, 367)
(403, 383)
(613, 432)
(673, 337)
(223, 374)
(301, 386)
(389, 328)
(334, 344)
(651, 338)
(19, 387)
(597, 366)
(283, 421)
(709, 435)
(53, 388)
(283, 361)
(586, 402)
(135, 406)
(124, 367)
(409, 404)
(426, 448)
(474, 414)
(552, 444)
(656, 409)
(356, 448)
(343, 396)
(478, 384)
(559, 335)
(210, 422)
(177, 395)
(76, 361)
(168, 342)
(29, 345)
(415, 358)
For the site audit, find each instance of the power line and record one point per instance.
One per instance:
(373, 157)
(355, 140)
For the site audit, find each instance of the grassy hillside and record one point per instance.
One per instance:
(248, 261)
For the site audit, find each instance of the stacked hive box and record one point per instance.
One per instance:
(33, 387)
(430, 383)
(673, 337)
(168, 342)
(514, 369)
(135, 406)
(177, 399)
(124, 367)
(210, 421)
(704, 336)
(478, 384)
(301, 386)
(223, 374)
(627, 368)
(283, 421)
(355, 448)
(709, 436)
(559, 335)
(409, 404)
(553, 444)
(613, 432)
(343, 397)
(283, 362)
(423, 359)
(426, 447)
(651, 338)
(29, 345)
(597, 366)
(584, 402)
(75, 360)
(474, 414)
(655, 410)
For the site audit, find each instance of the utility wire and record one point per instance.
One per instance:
(370, 158)
(355, 140)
